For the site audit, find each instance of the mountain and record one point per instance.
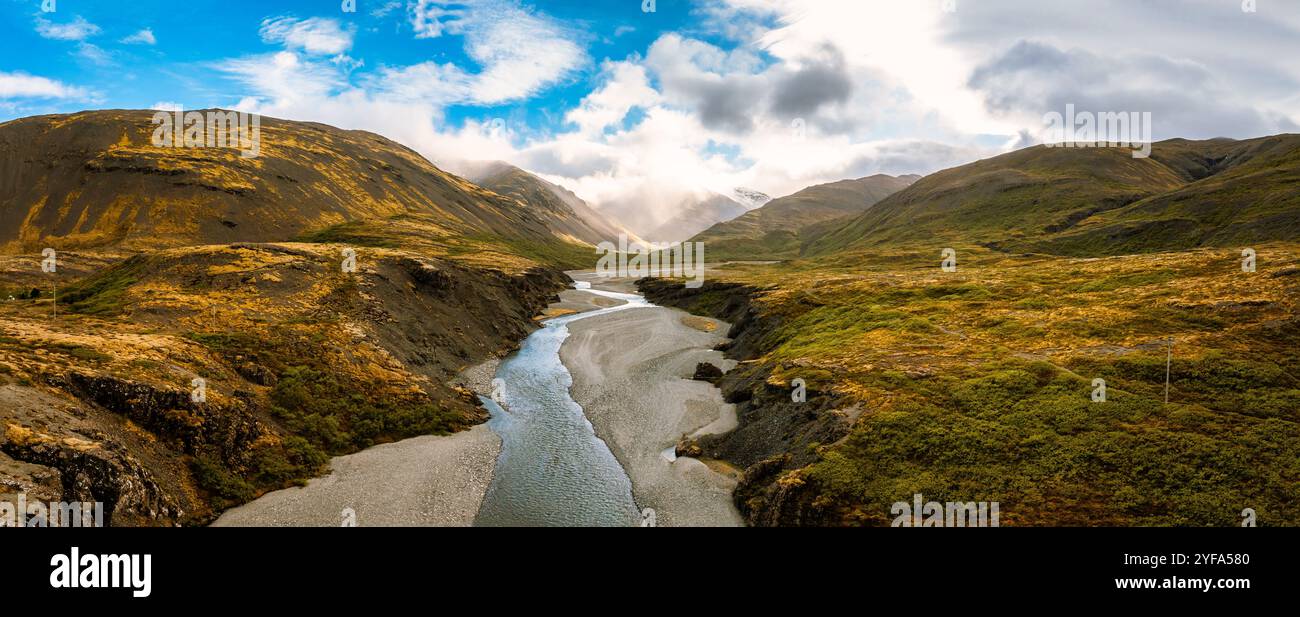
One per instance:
(562, 210)
(750, 198)
(695, 214)
(776, 230)
(94, 180)
(1095, 201)
(196, 266)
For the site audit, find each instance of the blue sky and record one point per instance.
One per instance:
(191, 39)
(642, 112)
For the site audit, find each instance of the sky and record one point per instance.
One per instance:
(637, 105)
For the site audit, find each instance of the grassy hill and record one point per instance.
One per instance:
(776, 230)
(1098, 201)
(94, 180)
(977, 385)
(183, 264)
(564, 212)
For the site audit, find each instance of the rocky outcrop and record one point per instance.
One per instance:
(106, 416)
(229, 428)
(707, 372)
(777, 435)
(89, 473)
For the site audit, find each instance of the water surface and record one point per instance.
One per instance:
(553, 469)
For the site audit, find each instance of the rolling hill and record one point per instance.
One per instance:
(775, 231)
(183, 265)
(563, 211)
(94, 180)
(1095, 201)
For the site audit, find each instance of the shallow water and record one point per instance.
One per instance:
(553, 469)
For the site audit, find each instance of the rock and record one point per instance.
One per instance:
(1291, 271)
(689, 448)
(923, 372)
(257, 374)
(707, 372)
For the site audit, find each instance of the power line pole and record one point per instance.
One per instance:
(1169, 363)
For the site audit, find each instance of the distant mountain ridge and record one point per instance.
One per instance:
(778, 229)
(1095, 201)
(694, 215)
(563, 209)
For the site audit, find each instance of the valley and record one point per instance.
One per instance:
(341, 327)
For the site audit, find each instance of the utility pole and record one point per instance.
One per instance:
(50, 265)
(1169, 361)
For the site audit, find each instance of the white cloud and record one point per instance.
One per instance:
(811, 91)
(314, 35)
(386, 8)
(22, 85)
(518, 51)
(433, 18)
(143, 37)
(626, 86)
(286, 77)
(76, 30)
(94, 54)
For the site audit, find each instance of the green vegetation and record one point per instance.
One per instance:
(779, 228)
(340, 418)
(557, 254)
(325, 412)
(424, 235)
(103, 294)
(356, 233)
(78, 351)
(269, 467)
(977, 385)
(1097, 201)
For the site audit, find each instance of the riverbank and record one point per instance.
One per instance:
(429, 481)
(631, 375)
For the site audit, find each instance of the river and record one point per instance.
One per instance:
(553, 469)
(540, 461)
